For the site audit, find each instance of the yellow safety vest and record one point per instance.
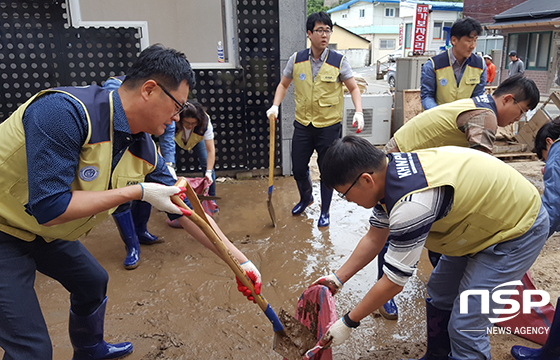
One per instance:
(197, 135)
(446, 86)
(318, 102)
(492, 202)
(438, 126)
(93, 172)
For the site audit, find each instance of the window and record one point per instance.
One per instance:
(386, 44)
(389, 12)
(407, 36)
(439, 33)
(532, 48)
(362, 12)
(344, 16)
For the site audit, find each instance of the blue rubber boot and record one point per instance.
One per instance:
(86, 335)
(326, 198)
(125, 224)
(389, 310)
(549, 351)
(439, 344)
(306, 195)
(141, 211)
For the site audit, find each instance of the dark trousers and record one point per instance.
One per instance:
(23, 331)
(306, 139)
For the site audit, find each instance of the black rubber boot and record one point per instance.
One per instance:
(550, 349)
(306, 195)
(86, 335)
(439, 345)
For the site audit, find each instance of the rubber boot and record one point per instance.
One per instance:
(326, 198)
(86, 335)
(439, 345)
(306, 195)
(550, 349)
(125, 224)
(141, 211)
(389, 310)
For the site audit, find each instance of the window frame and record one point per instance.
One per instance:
(362, 13)
(392, 15)
(523, 54)
(387, 48)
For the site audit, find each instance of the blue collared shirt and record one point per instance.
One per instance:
(428, 86)
(551, 194)
(55, 128)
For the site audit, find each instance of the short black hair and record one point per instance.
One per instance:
(321, 16)
(349, 157)
(167, 66)
(548, 130)
(464, 27)
(521, 88)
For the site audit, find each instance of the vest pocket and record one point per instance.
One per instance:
(329, 101)
(472, 80)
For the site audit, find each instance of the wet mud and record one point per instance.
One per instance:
(182, 301)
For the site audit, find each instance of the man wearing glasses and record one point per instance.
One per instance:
(318, 74)
(483, 216)
(69, 157)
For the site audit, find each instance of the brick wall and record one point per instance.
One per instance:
(484, 10)
(539, 77)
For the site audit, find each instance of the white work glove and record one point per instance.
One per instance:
(160, 197)
(331, 281)
(359, 121)
(255, 277)
(208, 176)
(172, 170)
(272, 112)
(338, 333)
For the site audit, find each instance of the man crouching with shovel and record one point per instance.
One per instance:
(483, 216)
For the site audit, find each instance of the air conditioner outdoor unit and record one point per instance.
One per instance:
(377, 117)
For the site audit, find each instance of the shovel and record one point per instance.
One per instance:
(291, 341)
(272, 125)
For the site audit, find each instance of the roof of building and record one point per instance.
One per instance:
(352, 32)
(347, 5)
(380, 29)
(439, 5)
(531, 9)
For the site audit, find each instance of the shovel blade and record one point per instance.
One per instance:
(295, 340)
(271, 209)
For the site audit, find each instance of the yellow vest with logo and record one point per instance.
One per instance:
(446, 86)
(197, 135)
(93, 172)
(438, 126)
(318, 102)
(492, 202)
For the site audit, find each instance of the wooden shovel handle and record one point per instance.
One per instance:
(203, 223)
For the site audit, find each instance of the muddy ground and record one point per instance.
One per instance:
(182, 302)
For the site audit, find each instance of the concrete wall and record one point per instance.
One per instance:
(292, 15)
(356, 57)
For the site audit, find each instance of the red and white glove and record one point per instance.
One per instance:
(358, 120)
(272, 113)
(331, 281)
(255, 276)
(160, 197)
(208, 176)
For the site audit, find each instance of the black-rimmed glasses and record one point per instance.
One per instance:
(321, 31)
(181, 106)
(523, 116)
(343, 196)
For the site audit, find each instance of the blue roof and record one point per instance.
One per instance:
(380, 29)
(347, 5)
(440, 5)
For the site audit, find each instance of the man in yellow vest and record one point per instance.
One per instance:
(483, 216)
(318, 74)
(69, 157)
(470, 123)
(457, 73)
